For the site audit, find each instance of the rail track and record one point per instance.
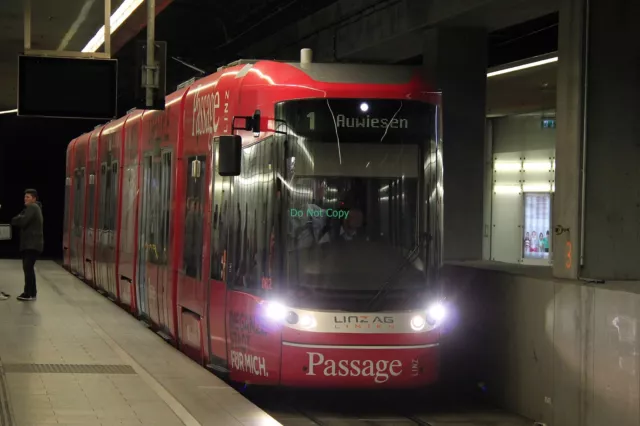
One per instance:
(362, 408)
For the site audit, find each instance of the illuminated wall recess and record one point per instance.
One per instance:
(516, 179)
(519, 189)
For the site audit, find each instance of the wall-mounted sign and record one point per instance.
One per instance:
(548, 123)
(5, 232)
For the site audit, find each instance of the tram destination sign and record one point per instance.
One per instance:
(359, 120)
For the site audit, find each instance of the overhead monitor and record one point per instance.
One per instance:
(67, 87)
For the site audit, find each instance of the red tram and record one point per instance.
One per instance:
(279, 222)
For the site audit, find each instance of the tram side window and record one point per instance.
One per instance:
(193, 226)
(153, 212)
(105, 197)
(114, 197)
(91, 203)
(219, 225)
(243, 220)
(76, 196)
(267, 229)
(254, 220)
(67, 193)
(78, 216)
(108, 199)
(102, 196)
(165, 205)
(147, 218)
(129, 198)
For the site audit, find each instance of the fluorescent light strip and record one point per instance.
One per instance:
(9, 111)
(507, 189)
(528, 166)
(119, 16)
(500, 166)
(523, 67)
(540, 166)
(517, 189)
(541, 187)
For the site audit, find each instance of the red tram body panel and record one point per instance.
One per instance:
(68, 206)
(313, 265)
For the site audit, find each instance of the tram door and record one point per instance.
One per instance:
(143, 237)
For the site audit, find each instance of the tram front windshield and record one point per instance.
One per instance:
(353, 207)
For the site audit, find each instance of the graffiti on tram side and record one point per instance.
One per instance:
(249, 363)
(242, 327)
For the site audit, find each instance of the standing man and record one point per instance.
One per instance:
(31, 241)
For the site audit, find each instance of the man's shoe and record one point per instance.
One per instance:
(26, 298)
(3, 295)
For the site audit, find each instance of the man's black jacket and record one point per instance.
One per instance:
(30, 224)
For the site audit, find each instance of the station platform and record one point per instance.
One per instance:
(74, 358)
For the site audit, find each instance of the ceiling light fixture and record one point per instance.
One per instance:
(523, 66)
(119, 16)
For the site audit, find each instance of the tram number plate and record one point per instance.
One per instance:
(5, 232)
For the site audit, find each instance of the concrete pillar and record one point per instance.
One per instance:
(569, 112)
(612, 225)
(455, 61)
(600, 46)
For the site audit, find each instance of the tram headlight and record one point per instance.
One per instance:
(436, 312)
(275, 311)
(418, 322)
(307, 321)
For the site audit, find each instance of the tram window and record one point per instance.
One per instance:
(153, 212)
(165, 200)
(107, 200)
(91, 203)
(254, 219)
(111, 224)
(101, 196)
(219, 227)
(67, 193)
(80, 201)
(128, 202)
(149, 210)
(76, 202)
(193, 227)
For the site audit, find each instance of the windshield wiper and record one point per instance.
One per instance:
(409, 259)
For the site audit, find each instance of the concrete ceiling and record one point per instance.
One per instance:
(55, 25)
(521, 92)
(70, 24)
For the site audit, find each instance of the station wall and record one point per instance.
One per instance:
(519, 187)
(555, 351)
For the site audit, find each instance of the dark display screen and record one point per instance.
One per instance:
(358, 120)
(67, 87)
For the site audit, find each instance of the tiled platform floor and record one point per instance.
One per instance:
(71, 324)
